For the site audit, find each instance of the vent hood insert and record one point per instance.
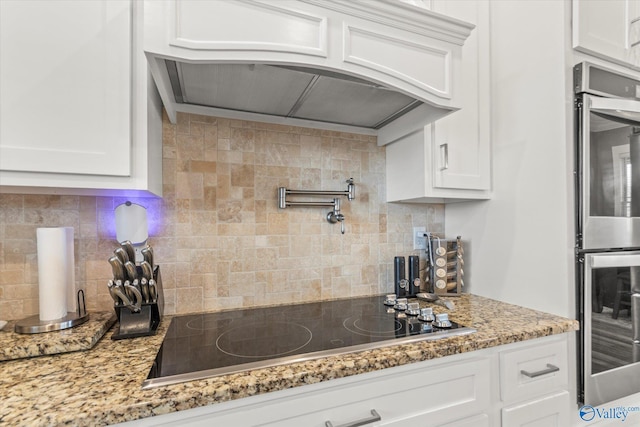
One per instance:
(295, 92)
(356, 65)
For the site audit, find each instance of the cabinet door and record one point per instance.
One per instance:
(551, 410)
(609, 29)
(481, 420)
(65, 85)
(460, 141)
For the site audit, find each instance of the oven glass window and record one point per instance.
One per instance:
(614, 148)
(611, 320)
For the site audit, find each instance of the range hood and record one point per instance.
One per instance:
(295, 92)
(339, 64)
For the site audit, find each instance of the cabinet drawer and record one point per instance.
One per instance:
(551, 410)
(431, 393)
(534, 370)
(428, 396)
(481, 420)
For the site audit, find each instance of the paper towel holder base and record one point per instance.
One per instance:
(33, 324)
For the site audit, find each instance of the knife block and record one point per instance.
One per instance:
(146, 321)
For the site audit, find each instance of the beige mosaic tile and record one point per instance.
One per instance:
(219, 223)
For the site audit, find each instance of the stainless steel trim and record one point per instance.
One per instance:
(399, 113)
(317, 193)
(372, 419)
(615, 259)
(635, 315)
(208, 373)
(303, 96)
(310, 204)
(550, 369)
(625, 109)
(174, 80)
(582, 79)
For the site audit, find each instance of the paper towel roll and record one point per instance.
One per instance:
(53, 274)
(72, 304)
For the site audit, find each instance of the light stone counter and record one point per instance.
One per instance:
(102, 385)
(82, 337)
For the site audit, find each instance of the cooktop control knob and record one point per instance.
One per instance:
(390, 299)
(401, 304)
(426, 327)
(413, 309)
(426, 315)
(442, 321)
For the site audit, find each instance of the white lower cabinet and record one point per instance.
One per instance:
(534, 379)
(481, 420)
(460, 390)
(532, 370)
(547, 411)
(425, 395)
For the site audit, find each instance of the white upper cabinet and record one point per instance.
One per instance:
(74, 105)
(450, 159)
(608, 29)
(356, 65)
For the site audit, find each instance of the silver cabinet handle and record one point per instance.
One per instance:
(550, 368)
(372, 419)
(444, 150)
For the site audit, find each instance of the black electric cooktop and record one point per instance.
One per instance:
(210, 344)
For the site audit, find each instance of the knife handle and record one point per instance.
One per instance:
(117, 267)
(119, 290)
(147, 255)
(132, 272)
(131, 252)
(147, 270)
(121, 254)
(144, 287)
(113, 294)
(153, 291)
(135, 306)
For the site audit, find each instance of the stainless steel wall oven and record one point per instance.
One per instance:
(607, 112)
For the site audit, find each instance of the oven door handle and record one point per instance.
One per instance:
(624, 110)
(607, 261)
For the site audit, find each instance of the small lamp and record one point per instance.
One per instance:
(131, 224)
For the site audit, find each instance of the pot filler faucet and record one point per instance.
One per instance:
(333, 216)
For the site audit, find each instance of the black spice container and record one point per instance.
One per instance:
(414, 273)
(399, 275)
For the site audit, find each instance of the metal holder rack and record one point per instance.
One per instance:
(333, 216)
(33, 324)
(445, 260)
(132, 324)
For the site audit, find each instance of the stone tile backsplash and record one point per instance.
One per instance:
(218, 235)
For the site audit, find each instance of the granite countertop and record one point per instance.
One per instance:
(103, 385)
(82, 337)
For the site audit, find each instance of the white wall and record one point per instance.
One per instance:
(520, 243)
